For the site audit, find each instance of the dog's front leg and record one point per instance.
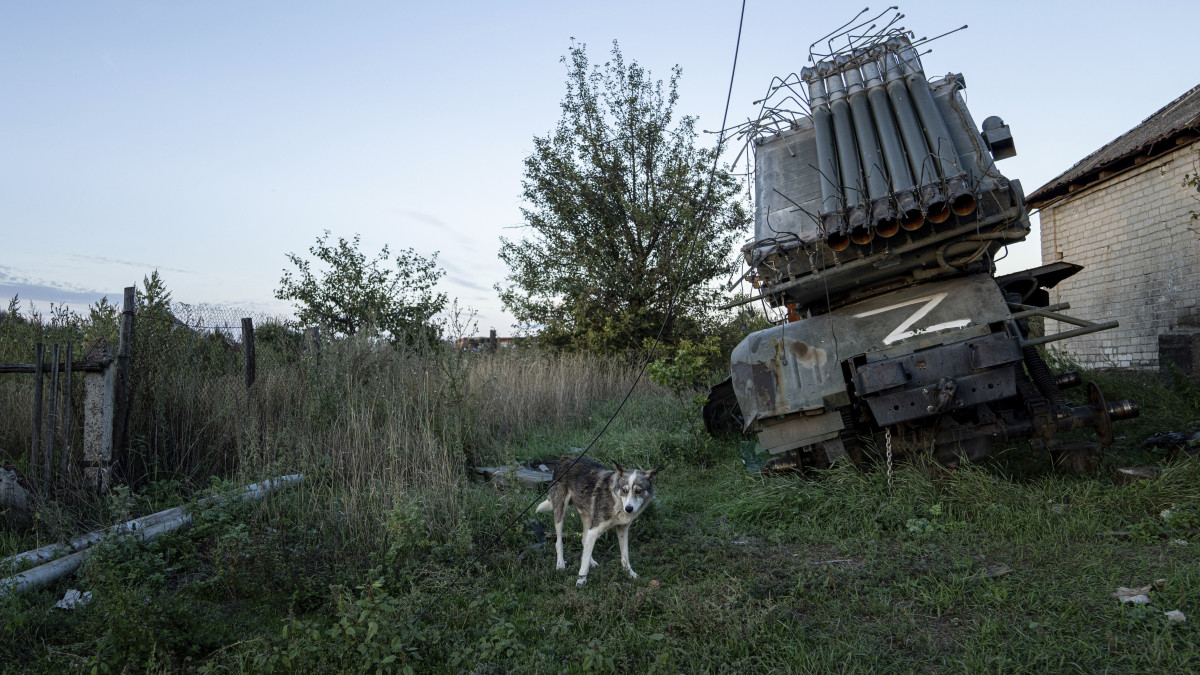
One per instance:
(589, 542)
(558, 545)
(623, 540)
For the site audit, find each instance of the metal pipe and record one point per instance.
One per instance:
(145, 528)
(831, 197)
(1094, 328)
(890, 227)
(1069, 379)
(847, 151)
(838, 241)
(910, 216)
(882, 215)
(962, 201)
(862, 235)
(913, 136)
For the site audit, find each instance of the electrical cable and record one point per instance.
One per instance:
(649, 357)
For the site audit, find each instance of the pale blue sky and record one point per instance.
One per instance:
(207, 140)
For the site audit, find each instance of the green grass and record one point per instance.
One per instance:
(972, 570)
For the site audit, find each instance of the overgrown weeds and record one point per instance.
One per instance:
(975, 569)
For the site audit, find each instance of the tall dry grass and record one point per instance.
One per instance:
(374, 425)
(369, 423)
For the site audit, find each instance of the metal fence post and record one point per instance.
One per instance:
(51, 419)
(35, 449)
(312, 340)
(66, 449)
(248, 351)
(119, 434)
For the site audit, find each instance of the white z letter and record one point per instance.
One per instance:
(902, 331)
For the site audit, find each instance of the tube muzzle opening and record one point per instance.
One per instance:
(838, 242)
(862, 235)
(939, 212)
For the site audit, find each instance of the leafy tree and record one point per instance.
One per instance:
(686, 373)
(614, 197)
(352, 292)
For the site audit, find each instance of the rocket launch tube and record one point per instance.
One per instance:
(831, 196)
(914, 142)
(882, 215)
(847, 150)
(893, 150)
(962, 202)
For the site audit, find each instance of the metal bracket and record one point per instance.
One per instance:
(1085, 327)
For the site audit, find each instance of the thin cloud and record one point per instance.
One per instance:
(129, 263)
(455, 274)
(426, 218)
(470, 284)
(14, 282)
(461, 243)
(55, 294)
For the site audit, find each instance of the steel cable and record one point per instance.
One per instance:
(679, 284)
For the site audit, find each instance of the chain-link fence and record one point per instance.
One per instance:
(363, 410)
(192, 402)
(190, 411)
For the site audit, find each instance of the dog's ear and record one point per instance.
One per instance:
(653, 472)
(618, 468)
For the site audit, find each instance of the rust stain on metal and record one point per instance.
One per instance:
(813, 358)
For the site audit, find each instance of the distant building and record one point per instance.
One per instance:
(491, 343)
(1125, 215)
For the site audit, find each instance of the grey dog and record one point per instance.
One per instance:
(604, 498)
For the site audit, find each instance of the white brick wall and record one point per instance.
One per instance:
(1141, 261)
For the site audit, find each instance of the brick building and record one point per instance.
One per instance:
(1124, 213)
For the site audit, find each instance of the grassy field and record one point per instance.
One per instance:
(1000, 567)
(971, 570)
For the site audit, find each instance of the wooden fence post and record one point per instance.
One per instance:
(248, 351)
(66, 450)
(35, 450)
(98, 394)
(119, 435)
(51, 420)
(312, 340)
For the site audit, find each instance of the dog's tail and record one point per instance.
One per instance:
(544, 507)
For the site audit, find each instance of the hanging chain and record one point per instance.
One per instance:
(887, 437)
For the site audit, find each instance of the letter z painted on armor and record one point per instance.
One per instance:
(902, 331)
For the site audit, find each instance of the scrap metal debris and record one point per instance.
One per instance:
(504, 475)
(1134, 596)
(1176, 443)
(74, 599)
(1132, 474)
(1140, 595)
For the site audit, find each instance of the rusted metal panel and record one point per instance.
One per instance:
(796, 367)
(947, 394)
(787, 189)
(928, 366)
(800, 430)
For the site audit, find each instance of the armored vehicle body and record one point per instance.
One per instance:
(879, 211)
